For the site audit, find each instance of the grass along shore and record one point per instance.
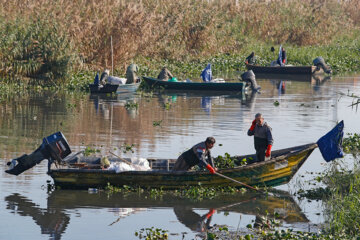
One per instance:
(53, 40)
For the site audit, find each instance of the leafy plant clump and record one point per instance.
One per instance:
(228, 161)
(152, 234)
(351, 144)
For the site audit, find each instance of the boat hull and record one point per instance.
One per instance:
(298, 70)
(196, 86)
(107, 88)
(279, 170)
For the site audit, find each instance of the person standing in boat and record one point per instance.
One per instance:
(251, 59)
(104, 76)
(282, 57)
(165, 74)
(263, 139)
(131, 74)
(197, 155)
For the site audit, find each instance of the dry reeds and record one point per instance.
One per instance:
(179, 29)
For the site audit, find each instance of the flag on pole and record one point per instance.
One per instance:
(330, 144)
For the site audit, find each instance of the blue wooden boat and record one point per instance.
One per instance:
(197, 86)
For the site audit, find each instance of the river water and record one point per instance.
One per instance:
(162, 126)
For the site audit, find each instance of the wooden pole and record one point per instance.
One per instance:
(112, 57)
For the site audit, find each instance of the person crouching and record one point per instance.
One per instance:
(199, 154)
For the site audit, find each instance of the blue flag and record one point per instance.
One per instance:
(206, 74)
(330, 145)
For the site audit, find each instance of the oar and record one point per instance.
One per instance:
(126, 161)
(243, 184)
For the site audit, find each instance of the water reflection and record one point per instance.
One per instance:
(55, 218)
(52, 221)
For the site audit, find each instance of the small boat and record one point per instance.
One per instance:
(297, 70)
(114, 88)
(107, 88)
(86, 172)
(197, 86)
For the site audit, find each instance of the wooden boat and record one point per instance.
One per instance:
(85, 172)
(114, 88)
(197, 86)
(107, 88)
(298, 70)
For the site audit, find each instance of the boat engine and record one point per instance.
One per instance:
(249, 77)
(54, 148)
(319, 62)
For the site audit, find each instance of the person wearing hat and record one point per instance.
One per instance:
(199, 154)
(263, 139)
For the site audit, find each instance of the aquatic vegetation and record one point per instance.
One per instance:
(157, 123)
(131, 105)
(276, 103)
(228, 162)
(351, 144)
(126, 148)
(152, 234)
(197, 193)
(90, 151)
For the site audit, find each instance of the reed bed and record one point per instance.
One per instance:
(76, 34)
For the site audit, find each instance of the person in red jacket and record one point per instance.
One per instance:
(199, 154)
(263, 139)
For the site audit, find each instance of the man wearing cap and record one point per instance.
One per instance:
(197, 155)
(263, 139)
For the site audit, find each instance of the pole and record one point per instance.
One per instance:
(112, 57)
(231, 179)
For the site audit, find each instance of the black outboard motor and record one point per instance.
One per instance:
(53, 147)
(319, 62)
(249, 77)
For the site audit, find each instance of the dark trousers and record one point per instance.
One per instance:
(181, 165)
(260, 154)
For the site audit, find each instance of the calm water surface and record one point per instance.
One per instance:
(306, 111)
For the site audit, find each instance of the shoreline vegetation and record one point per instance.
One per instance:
(62, 44)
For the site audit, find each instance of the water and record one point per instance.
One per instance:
(306, 111)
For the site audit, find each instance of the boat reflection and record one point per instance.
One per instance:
(316, 79)
(54, 219)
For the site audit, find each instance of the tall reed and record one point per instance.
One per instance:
(182, 29)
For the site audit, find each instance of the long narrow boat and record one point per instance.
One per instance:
(85, 172)
(298, 70)
(197, 86)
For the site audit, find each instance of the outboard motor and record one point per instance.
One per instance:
(319, 62)
(249, 77)
(53, 147)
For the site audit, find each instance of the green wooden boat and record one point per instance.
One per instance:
(196, 86)
(85, 172)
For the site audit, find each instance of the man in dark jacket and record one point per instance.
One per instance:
(197, 155)
(263, 139)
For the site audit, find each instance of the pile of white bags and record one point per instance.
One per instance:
(138, 164)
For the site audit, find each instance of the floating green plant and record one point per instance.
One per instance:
(157, 123)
